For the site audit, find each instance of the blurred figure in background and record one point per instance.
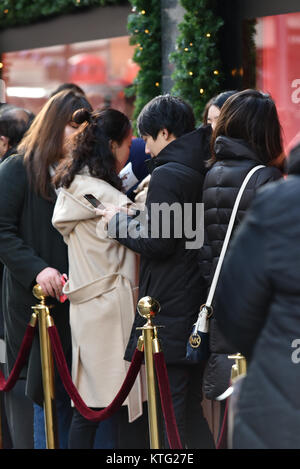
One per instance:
(14, 122)
(213, 108)
(257, 309)
(247, 134)
(33, 252)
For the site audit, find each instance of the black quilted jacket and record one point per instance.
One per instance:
(221, 185)
(263, 321)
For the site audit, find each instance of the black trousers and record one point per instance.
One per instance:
(186, 390)
(133, 435)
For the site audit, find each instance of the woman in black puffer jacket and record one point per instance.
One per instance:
(247, 134)
(263, 321)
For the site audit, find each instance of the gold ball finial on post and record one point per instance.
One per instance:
(148, 308)
(38, 293)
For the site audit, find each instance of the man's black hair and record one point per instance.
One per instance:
(14, 122)
(166, 112)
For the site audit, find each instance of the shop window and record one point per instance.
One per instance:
(102, 68)
(278, 69)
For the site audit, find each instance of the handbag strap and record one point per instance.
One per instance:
(228, 234)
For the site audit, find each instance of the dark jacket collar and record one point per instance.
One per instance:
(190, 150)
(232, 148)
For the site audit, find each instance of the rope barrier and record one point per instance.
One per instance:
(166, 401)
(83, 409)
(222, 441)
(99, 416)
(7, 385)
(86, 412)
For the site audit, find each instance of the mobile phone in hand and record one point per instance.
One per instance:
(93, 201)
(64, 279)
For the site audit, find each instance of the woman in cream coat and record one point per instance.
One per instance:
(103, 274)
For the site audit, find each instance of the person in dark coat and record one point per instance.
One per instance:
(247, 134)
(168, 268)
(32, 251)
(260, 315)
(14, 122)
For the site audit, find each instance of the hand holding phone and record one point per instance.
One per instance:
(64, 279)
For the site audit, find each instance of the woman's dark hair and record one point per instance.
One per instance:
(250, 115)
(166, 112)
(217, 101)
(221, 98)
(90, 146)
(42, 145)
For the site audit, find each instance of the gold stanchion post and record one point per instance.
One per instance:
(45, 320)
(239, 368)
(148, 307)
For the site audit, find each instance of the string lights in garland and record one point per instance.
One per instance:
(197, 75)
(144, 26)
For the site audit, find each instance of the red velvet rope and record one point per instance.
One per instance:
(86, 412)
(7, 385)
(222, 441)
(166, 401)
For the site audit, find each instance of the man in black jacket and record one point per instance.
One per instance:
(168, 268)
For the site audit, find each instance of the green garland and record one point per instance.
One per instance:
(21, 12)
(197, 76)
(144, 26)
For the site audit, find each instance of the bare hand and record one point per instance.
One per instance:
(50, 281)
(111, 210)
(108, 213)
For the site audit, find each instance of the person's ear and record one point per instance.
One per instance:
(165, 134)
(113, 146)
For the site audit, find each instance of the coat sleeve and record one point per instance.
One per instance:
(20, 259)
(141, 234)
(244, 291)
